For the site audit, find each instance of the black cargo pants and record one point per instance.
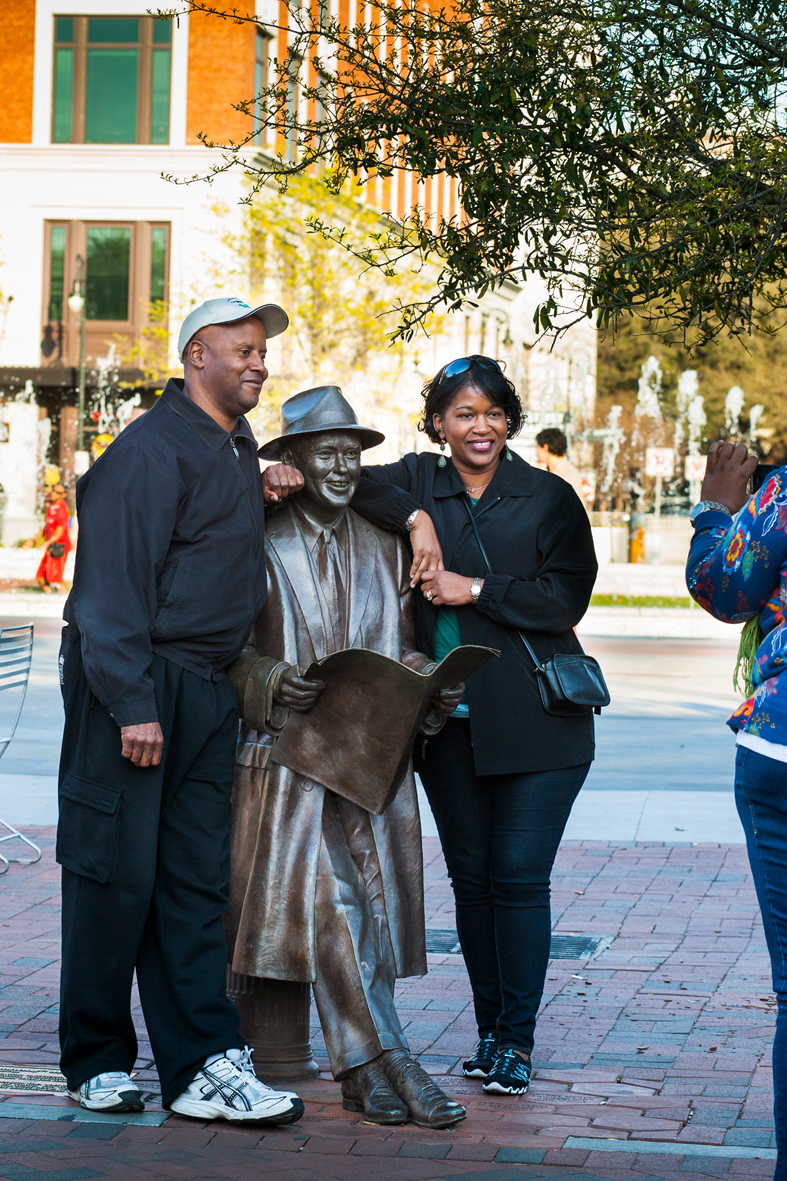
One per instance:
(145, 857)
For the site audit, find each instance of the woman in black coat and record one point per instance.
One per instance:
(503, 774)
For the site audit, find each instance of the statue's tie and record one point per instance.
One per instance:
(328, 567)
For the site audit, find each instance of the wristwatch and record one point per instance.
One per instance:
(475, 591)
(411, 521)
(707, 506)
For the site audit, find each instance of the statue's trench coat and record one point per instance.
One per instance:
(277, 814)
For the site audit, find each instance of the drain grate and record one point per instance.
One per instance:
(563, 947)
(573, 947)
(442, 942)
(23, 1079)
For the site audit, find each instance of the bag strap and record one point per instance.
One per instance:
(539, 668)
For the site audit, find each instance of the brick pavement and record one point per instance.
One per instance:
(649, 1058)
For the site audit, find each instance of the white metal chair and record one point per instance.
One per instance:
(16, 655)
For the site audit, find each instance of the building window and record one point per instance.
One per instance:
(127, 280)
(111, 80)
(57, 262)
(159, 240)
(293, 106)
(108, 272)
(261, 75)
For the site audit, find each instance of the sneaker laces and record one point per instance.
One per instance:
(242, 1074)
(110, 1077)
(510, 1062)
(245, 1062)
(486, 1048)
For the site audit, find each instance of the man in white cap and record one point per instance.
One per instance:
(170, 576)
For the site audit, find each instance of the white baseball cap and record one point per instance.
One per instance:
(226, 311)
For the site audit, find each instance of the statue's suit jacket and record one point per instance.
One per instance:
(277, 814)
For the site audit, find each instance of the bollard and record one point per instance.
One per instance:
(274, 1020)
(637, 538)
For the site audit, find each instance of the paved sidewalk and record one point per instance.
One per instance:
(649, 1057)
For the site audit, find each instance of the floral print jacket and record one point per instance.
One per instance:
(737, 570)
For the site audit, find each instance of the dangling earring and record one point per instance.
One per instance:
(508, 454)
(442, 460)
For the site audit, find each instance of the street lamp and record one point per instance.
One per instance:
(76, 302)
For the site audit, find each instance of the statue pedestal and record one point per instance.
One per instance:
(274, 1020)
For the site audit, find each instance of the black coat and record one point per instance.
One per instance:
(537, 537)
(170, 556)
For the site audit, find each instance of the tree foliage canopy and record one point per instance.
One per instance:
(630, 152)
(339, 317)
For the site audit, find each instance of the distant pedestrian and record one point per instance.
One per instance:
(170, 576)
(57, 542)
(737, 571)
(552, 452)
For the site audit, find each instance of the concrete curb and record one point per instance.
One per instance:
(655, 622)
(669, 1146)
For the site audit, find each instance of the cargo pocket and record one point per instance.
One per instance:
(87, 830)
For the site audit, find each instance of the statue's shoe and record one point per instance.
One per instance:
(367, 1089)
(429, 1107)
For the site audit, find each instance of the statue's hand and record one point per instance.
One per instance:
(446, 701)
(280, 481)
(296, 692)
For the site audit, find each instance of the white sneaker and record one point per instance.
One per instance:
(227, 1088)
(113, 1091)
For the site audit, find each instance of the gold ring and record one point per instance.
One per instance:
(429, 596)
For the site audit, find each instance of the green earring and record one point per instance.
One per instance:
(442, 460)
(508, 454)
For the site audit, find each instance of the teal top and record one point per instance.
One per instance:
(447, 637)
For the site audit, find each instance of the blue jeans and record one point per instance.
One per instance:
(761, 797)
(500, 834)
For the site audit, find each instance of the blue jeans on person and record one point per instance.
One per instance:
(500, 834)
(761, 798)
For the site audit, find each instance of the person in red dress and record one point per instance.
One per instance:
(49, 574)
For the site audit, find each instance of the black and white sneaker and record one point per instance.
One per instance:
(112, 1091)
(510, 1075)
(483, 1060)
(227, 1088)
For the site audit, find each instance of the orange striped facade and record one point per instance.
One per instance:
(221, 73)
(17, 61)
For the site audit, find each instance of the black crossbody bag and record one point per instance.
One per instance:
(569, 683)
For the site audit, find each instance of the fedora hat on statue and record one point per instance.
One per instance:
(311, 412)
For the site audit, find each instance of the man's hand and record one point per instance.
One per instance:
(446, 701)
(280, 481)
(142, 744)
(296, 692)
(427, 551)
(727, 475)
(444, 589)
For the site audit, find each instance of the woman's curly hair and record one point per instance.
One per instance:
(439, 393)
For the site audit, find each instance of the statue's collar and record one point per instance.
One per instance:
(313, 530)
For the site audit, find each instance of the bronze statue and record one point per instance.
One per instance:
(323, 890)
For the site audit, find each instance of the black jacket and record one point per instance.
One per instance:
(170, 556)
(537, 536)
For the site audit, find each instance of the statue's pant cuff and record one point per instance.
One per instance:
(351, 1057)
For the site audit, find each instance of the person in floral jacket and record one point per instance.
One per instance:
(737, 571)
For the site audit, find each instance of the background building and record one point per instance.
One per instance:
(100, 102)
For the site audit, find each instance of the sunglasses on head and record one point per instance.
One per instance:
(462, 364)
